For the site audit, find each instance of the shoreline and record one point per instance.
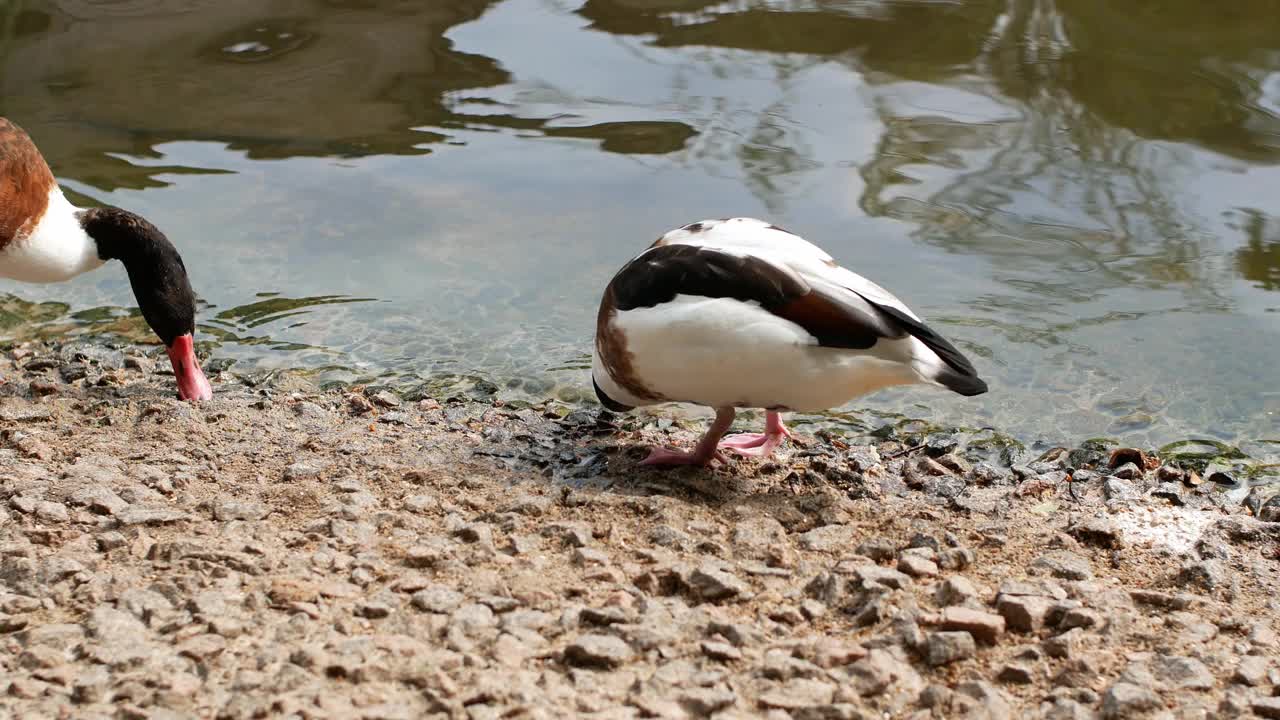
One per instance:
(287, 550)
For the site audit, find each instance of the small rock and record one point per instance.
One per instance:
(1115, 489)
(828, 538)
(202, 647)
(385, 398)
(956, 559)
(878, 549)
(1124, 700)
(917, 566)
(983, 626)
(1096, 531)
(1205, 575)
(600, 651)
(111, 540)
(1062, 646)
(1018, 673)
(1023, 614)
(720, 651)
(994, 703)
(799, 694)
(225, 510)
(301, 471)
(1251, 671)
(1082, 618)
(956, 590)
(1270, 510)
(98, 499)
(478, 533)
(1065, 565)
(1128, 471)
(1067, 709)
(51, 511)
(704, 701)
(373, 610)
(714, 585)
(590, 557)
(1267, 707)
(1181, 673)
(437, 599)
(140, 515)
(942, 648)
(876, 575)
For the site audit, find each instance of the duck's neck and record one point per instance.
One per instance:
(57, 248)
(160, 285)
(156, 272)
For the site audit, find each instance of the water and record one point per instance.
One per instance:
(1081, 194)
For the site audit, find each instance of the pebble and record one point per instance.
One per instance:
(1018, 673)
(956, 590)
(878, 549)
(983, 626)
(49, 511)
(799, 694)
(942, 648)
(1098, 531)
(828, 538)
(226, 510)
(1181, 673)
(437, 599)
(599, 651)
(1083, 618)
(1251, 671)
(1117, 490)
(1125, 700)
(917, 566)
(1023, 614)
(714, 585)
(705, 701)
(1127, 471)
(875, 575)
(1064, 564)
(720, 651)
(1266, 707)
(98, 499)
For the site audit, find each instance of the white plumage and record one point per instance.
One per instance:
(56, 249)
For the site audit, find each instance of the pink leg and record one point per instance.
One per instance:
(759, 444)
(704, 453)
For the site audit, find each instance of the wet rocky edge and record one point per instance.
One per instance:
(287, 551)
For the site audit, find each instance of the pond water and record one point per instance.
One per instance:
(1082, 194)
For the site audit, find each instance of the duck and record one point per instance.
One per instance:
(46, 239)
(740, 313)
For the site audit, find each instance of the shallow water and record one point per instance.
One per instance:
(1081, 194)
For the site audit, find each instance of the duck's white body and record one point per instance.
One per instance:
(57, 248)
(720, 352)
(692, 332)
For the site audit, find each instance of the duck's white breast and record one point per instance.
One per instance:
(56, 249)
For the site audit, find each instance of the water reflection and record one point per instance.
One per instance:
(273, 78)
(1259, 260)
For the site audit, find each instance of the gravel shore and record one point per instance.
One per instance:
(283, 551)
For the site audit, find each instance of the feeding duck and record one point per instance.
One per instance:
(44, 239)
(739, 313)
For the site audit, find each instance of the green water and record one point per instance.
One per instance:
(1082, 194)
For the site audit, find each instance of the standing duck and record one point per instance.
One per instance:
(740, 313)
(44, 238)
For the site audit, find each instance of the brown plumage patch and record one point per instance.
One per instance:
(611, 344)
(25, 182)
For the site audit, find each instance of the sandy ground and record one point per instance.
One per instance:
(287, 552)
